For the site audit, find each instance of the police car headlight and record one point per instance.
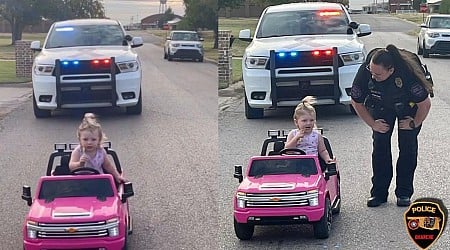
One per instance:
(433, 34)
(174, 45)
(254, 62)
(352, 58)
(43, 69)
(130, 66)
(199, 45)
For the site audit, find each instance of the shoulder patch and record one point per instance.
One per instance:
(418, 90)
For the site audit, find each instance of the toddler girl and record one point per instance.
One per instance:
(305, 137)
(90, 153)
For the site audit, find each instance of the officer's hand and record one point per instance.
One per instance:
(404, 123)
(380, 126)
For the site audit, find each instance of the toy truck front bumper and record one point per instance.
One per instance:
(48, 244)
(263, 216)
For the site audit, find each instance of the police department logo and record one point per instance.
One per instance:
(398, 82)
(425, 221)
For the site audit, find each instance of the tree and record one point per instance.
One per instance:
(229, 3)
(20, 13)
(444, 8)
(168, 15)
(201, 14)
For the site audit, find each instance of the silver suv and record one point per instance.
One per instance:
(434, 36)
(183, 44)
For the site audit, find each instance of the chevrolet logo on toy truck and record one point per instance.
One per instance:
(83, 210)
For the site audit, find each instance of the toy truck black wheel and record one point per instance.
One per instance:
(136, 110)
(243, 231)
(253, 113)
(40, 113)
(322, 228)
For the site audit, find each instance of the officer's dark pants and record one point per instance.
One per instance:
(382, 161)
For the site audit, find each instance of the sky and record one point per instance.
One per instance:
(132, 11)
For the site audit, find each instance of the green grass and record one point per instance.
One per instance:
(7, 57)
(418, 18)
(8, 73)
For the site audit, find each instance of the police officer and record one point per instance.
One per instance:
(390, 87)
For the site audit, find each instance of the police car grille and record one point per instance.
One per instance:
(73, 230)
(298, 199)
(442, 46)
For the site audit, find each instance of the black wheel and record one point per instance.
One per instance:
(426, 53)
(337, 209)
(200, 59)
(169, 57)
(322, 228)
(292, 151)
(40, 113)
(253, 113)
(137, 109)
(419, 49)
(84, 170)
(243, 231)
(165, 54)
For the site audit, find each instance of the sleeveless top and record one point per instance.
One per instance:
(309, 142)
(96, 162)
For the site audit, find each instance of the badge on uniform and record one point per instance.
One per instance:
(398, 82)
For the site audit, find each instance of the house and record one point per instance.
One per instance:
(151, 22)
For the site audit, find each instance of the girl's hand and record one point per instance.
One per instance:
(120, 179)
(83, 159)
(331, 161)
(300, 134)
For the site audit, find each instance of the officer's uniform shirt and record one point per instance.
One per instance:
(394, 89)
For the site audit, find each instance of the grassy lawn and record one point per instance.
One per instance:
(235, 25)
(7, 56)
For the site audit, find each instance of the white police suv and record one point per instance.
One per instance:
(301, 49)
(86, 63)
(434, 35)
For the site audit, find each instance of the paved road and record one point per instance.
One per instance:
(357, 227)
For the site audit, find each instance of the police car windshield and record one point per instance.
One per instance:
(440, 22)
(304, 22)
(85, 35)
(180, 36)
(304, 166)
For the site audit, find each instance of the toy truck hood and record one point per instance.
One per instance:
(121, 54)
(282, 183)
(74, 209)
(344, 44)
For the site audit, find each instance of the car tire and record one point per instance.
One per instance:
(253, 113)
(322, 228)
(169, 57)
(165, 54)
(419, 49)
(244, 231)
(40, 113)
(137, 109)
(352, 109)
(426, 52)
(200, 59)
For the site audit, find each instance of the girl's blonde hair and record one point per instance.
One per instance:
(305, 106)
(90, 123)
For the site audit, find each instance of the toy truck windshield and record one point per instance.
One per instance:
(304, 166)
(52, 189)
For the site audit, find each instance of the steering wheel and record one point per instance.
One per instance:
(292, 151)
(84, 170)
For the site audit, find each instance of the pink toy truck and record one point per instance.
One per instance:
(286, 188)
(77, 210)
